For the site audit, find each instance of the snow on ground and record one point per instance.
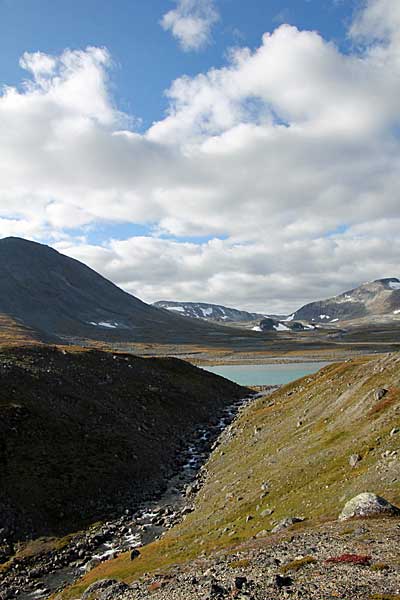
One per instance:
(324, 316)
(396, 312)
(104, 324)
(256, 328)
(290, 318)
(395, 285)
(176, 308)
(206, 311)
(334, 320)
(281, 327)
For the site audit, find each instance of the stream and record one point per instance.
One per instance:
(45, 574)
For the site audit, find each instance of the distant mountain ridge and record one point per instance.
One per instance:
(379, 298)
(372, 299)
(210, 312)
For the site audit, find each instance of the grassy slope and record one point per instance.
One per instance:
(307, 465)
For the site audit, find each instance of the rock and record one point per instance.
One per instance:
(394, 431)
(240, 582)
(262, 533)
(105, 589)
(217, 591)
(285, 523)
(354, 459)
(266, 512)
(283, 581)
(367, 505)
(135, 554)
(94, 562)
(380, 393)
(265, 486)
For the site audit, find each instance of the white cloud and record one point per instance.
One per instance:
(275, 151)
(259, 276)
(191, 23)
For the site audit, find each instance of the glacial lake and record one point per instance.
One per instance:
(272, 374)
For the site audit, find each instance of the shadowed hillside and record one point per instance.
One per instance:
(83, 433)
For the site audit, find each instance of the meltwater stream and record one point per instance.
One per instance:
(134, 529)
(153, 518)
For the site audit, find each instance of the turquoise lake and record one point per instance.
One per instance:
(266, 374)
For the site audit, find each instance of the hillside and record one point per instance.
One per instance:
(54, 298)
(370, 300)
(84, 433)
(299, 453)
(209, 312)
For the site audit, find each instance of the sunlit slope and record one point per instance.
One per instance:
(288, 455)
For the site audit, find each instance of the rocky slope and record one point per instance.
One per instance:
(83, 434)
(373, 299)
(209, 312)
(55, 298)
(295, 457)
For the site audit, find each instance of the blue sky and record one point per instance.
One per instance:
(147, 59)
(185, 155)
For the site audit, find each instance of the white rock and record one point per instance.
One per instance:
(367, 505)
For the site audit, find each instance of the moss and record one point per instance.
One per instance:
(385, 597)
(295, 565)
(380, 567)
(239, 564)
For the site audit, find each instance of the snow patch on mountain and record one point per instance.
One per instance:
(104, 324)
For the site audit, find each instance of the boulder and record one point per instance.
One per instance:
(285, 523)
(380, 393)
(134, 554)
(367, 505)
(354, 459)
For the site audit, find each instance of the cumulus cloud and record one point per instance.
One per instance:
(290, 153)
(257, 276)
(191, 23)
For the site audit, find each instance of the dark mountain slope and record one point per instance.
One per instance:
(82, 432)
(60, 298)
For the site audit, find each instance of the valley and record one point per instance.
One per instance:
(147, 471)
(297, 455)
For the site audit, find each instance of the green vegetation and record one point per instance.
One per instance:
(295, 565)
(299, 440)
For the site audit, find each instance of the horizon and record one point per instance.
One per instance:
(198, 151)
(225, 305)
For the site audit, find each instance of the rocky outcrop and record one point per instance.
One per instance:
(367, 505)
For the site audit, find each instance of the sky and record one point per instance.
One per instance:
(241, 153)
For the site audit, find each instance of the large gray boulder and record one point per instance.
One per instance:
(367, 505)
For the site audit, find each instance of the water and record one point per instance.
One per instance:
(266, 374)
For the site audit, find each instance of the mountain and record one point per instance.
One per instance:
(373, 299)
(209, 312)
(82, 432)
(47, 296)
(299, 454)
